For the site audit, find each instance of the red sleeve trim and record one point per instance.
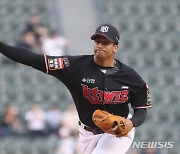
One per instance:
(45, 58)
(142, 107)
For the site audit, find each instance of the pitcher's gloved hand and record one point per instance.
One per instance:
(112, 124)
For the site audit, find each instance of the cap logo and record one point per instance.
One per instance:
(104, 29)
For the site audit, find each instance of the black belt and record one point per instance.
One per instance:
(95, 131)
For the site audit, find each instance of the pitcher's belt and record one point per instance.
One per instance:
(95, 131)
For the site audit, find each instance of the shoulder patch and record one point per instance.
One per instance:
(66, 61)
(148, 96)
(55, 63)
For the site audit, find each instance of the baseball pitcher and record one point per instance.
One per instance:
(101, 87)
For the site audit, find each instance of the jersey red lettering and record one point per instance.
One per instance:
(124, 95)
(117, 96)
(86, 92)
(92, 101)
(109, 96)
(96, 96)
(60, 62)
(93, 95)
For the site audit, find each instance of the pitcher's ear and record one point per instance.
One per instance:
(116, 47)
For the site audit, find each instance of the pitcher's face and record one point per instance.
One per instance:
(103, 48)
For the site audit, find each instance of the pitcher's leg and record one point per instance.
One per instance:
(88, 141)
(110, 144)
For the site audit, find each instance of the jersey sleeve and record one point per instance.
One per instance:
(60, 67)
(23, 56)
(141, 98)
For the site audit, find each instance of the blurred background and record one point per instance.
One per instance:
(37, 115)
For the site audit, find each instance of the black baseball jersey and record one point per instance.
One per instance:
(91, 88)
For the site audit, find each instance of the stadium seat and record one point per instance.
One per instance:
(177, 113)
(132, 60)
(166, 60)
(175, 42)
(177, 78)
(149, 59)
(28, 146)
(169, 77)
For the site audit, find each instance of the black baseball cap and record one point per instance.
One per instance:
(108, 31)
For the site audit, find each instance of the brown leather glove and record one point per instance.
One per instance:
(110, 123)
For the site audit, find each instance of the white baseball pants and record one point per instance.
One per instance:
(104, 143)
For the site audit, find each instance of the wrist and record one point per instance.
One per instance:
(129, 124)
(132, 122)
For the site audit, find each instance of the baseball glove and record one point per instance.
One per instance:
(110, 123)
